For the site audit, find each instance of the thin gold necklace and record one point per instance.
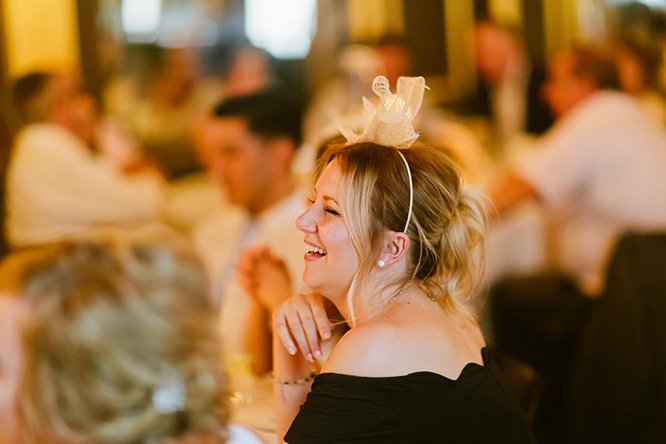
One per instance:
(346, 321)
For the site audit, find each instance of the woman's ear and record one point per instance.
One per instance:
(395, 247)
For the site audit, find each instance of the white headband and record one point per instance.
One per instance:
(411, 192)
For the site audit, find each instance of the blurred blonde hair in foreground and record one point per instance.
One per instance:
(120, 343)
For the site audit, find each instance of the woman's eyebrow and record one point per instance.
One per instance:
(329, 198)
(325, 197)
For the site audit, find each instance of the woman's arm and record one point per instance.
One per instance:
(298, 326)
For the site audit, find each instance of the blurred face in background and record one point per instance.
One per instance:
(11, 316)
(244, 164)
(395, 61)
(492, 52)
(74, 108)
(632, 71)
(177, 77)
(564, 88)
(249, 73)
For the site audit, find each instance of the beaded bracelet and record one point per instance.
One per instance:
(300, 381)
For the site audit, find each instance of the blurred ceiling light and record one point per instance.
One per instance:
(284, 29)
(186, 24)
(141, 19)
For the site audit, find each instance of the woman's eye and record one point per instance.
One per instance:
(311, 200)
(331, 211)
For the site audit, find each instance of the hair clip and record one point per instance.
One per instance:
(169, 395)
(390, 122)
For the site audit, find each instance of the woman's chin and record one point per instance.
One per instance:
(310, 281)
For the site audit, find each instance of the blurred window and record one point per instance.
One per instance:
(284, 29)
(141, 19)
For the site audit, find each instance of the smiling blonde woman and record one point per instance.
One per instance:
(394, 240)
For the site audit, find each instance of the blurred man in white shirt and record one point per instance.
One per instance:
(599, 172)
(57, 186)
(255, 142)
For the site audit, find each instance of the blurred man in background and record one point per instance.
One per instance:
(598, 173)
(255, 142)
(57, 185)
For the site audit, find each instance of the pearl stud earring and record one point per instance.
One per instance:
(381, 263)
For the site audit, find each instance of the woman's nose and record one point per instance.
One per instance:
(307, 221)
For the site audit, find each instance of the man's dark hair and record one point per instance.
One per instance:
(269, 113)
(28, 95)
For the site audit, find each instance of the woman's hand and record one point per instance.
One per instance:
(300, 323)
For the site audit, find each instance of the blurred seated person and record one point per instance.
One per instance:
(196, 196)
(56, 184)
(165, 107)
(255, 140)
(600, 133)
(110, 340)
(392, 239)
(598, 172)
(509, 88)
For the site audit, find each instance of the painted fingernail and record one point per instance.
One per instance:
(326, 335)
(317, 354)
(292, 350)
(309, 357)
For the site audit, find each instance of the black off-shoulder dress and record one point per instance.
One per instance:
(420, 407)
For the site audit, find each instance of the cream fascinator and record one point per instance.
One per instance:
(390, 122)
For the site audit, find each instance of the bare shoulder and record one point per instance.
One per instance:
(385, 348)
(368, 350)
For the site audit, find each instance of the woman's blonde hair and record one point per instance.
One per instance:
(111, 324)
(447, 226)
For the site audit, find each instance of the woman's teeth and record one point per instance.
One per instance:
(311, 249)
